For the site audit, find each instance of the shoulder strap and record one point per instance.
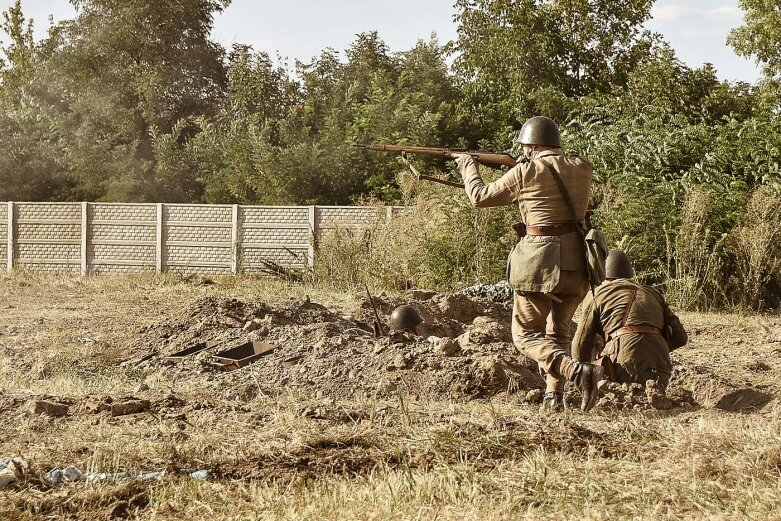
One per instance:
(578, 228)
(629, 305)
(564, 192)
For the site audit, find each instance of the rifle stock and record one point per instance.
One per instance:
(494, 159)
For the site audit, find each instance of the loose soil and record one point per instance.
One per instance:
(86, 383)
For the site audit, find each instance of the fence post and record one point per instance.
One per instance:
(84, 236)
(159, 240)
(10, 238)
(388, 214)
(312, 236)
(235, 239)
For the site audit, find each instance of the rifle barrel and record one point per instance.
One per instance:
(483, 157)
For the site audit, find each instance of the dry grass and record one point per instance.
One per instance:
(364, 458)
(757, 249)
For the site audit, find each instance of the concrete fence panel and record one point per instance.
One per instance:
(47, 237)
(281, 234)
(121, 238)
(109, 238)
(5, 244)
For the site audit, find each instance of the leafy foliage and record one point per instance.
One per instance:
(132, 101)
(760, 34)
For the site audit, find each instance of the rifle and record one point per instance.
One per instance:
(481, 156)
(494, 159)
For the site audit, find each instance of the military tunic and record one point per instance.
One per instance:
(541, 324)
(637, 357)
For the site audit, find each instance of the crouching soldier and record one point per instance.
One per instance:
(638, 327)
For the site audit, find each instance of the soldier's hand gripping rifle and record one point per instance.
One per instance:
(493, 159)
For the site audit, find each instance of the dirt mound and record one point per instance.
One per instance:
(710, 390)
(463, 350)
(326, 352)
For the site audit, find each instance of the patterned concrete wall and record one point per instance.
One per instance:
(278, 234)
(198, 239)
(348, 216)
(122, 238)
(47, 237)
(105, 238)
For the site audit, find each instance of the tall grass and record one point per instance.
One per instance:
(440, 241)
(712, 253)
(756, 245)
(694, 257)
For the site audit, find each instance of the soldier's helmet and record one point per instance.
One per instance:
(405, 317)
(540, 130)
(617, 266)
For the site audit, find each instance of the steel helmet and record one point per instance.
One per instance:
(540, 130)
(617, 266)
(405, 317)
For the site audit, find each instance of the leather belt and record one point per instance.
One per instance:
(554, 229)
(647, 330)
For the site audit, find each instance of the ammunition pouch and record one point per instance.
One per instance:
(520, 229)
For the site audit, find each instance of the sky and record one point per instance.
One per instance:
(300, 29)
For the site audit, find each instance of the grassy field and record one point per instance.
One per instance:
(294, 455)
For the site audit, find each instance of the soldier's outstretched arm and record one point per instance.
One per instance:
(588, 328)
(503, 191)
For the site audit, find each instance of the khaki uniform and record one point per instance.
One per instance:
(637, 357)
(541, 323)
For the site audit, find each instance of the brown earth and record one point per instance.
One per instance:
(329, 353)
(85, 383)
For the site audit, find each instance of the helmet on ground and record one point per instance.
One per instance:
(540, 130)
(405, 317)
(618, 266)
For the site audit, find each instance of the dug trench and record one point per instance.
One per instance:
(462, 351)
(332, 399)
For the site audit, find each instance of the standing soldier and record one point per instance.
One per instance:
(548, 265)
(636, 322)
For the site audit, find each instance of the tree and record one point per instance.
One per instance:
(760, 36)
(29, 168)
(120, 73)
(518, 58)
